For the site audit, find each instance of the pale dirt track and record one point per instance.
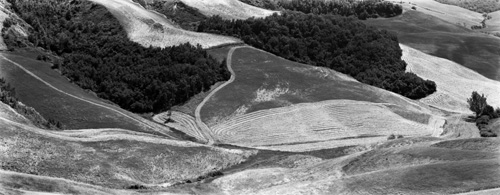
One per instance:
(147, 124)
(202, 126)
(97, 135)
(182, 122)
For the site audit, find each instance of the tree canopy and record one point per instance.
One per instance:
(344, 44)
(97, 55)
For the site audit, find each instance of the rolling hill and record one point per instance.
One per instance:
(397, 167)
(275, 127)
(455, 83)
(153, 29)
(53, 96)
(438, 37)
(108, 157)
(272, 97)
(450, 13)
(228, 9)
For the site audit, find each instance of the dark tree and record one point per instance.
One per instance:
(341, 43)
(97, 55)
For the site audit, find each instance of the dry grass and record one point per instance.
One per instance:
(493, 25)
(19, 183)
(414, 169)
(110, 158)
(449, 13)
(458, 127)
(319, 125)
(138, 22)
(264, 81)
(455, 83)
(228, 9)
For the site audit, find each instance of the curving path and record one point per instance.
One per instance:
(205, 130)
(90, 102)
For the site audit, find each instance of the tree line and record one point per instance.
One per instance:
(341, 43)
(360, 9)
(97, 55)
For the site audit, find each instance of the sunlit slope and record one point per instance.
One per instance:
(278, 104)
(398, 167)
(228, 9)
(450, 13)
(493, 24)
(152, 29)
(455, 83)
(328, 124)
(109, 157)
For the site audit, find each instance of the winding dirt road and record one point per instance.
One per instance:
(90, 102)
(205, 130)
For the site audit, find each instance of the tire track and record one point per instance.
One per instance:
(81, 99)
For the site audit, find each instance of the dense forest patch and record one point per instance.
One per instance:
(99, 56)
(360, 9)
(480, 6)
(344, 44)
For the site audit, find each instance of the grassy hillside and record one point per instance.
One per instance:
(450, 13)
(480, 6)
(140, 22)
(75, 108)
(259, 108)
(228, 9)
(265, 81)
(117, 162)
(454, 88)
(440, 38)
(416, 168)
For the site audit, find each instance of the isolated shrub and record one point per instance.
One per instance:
(477, 104)
(391, 137)
(400, 136)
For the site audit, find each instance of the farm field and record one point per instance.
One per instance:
(281, 105)
(264, 81)
(72, 106)
(313, 126)
(152, 29)
(454, 88)
(114, 163)
(437, 37)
